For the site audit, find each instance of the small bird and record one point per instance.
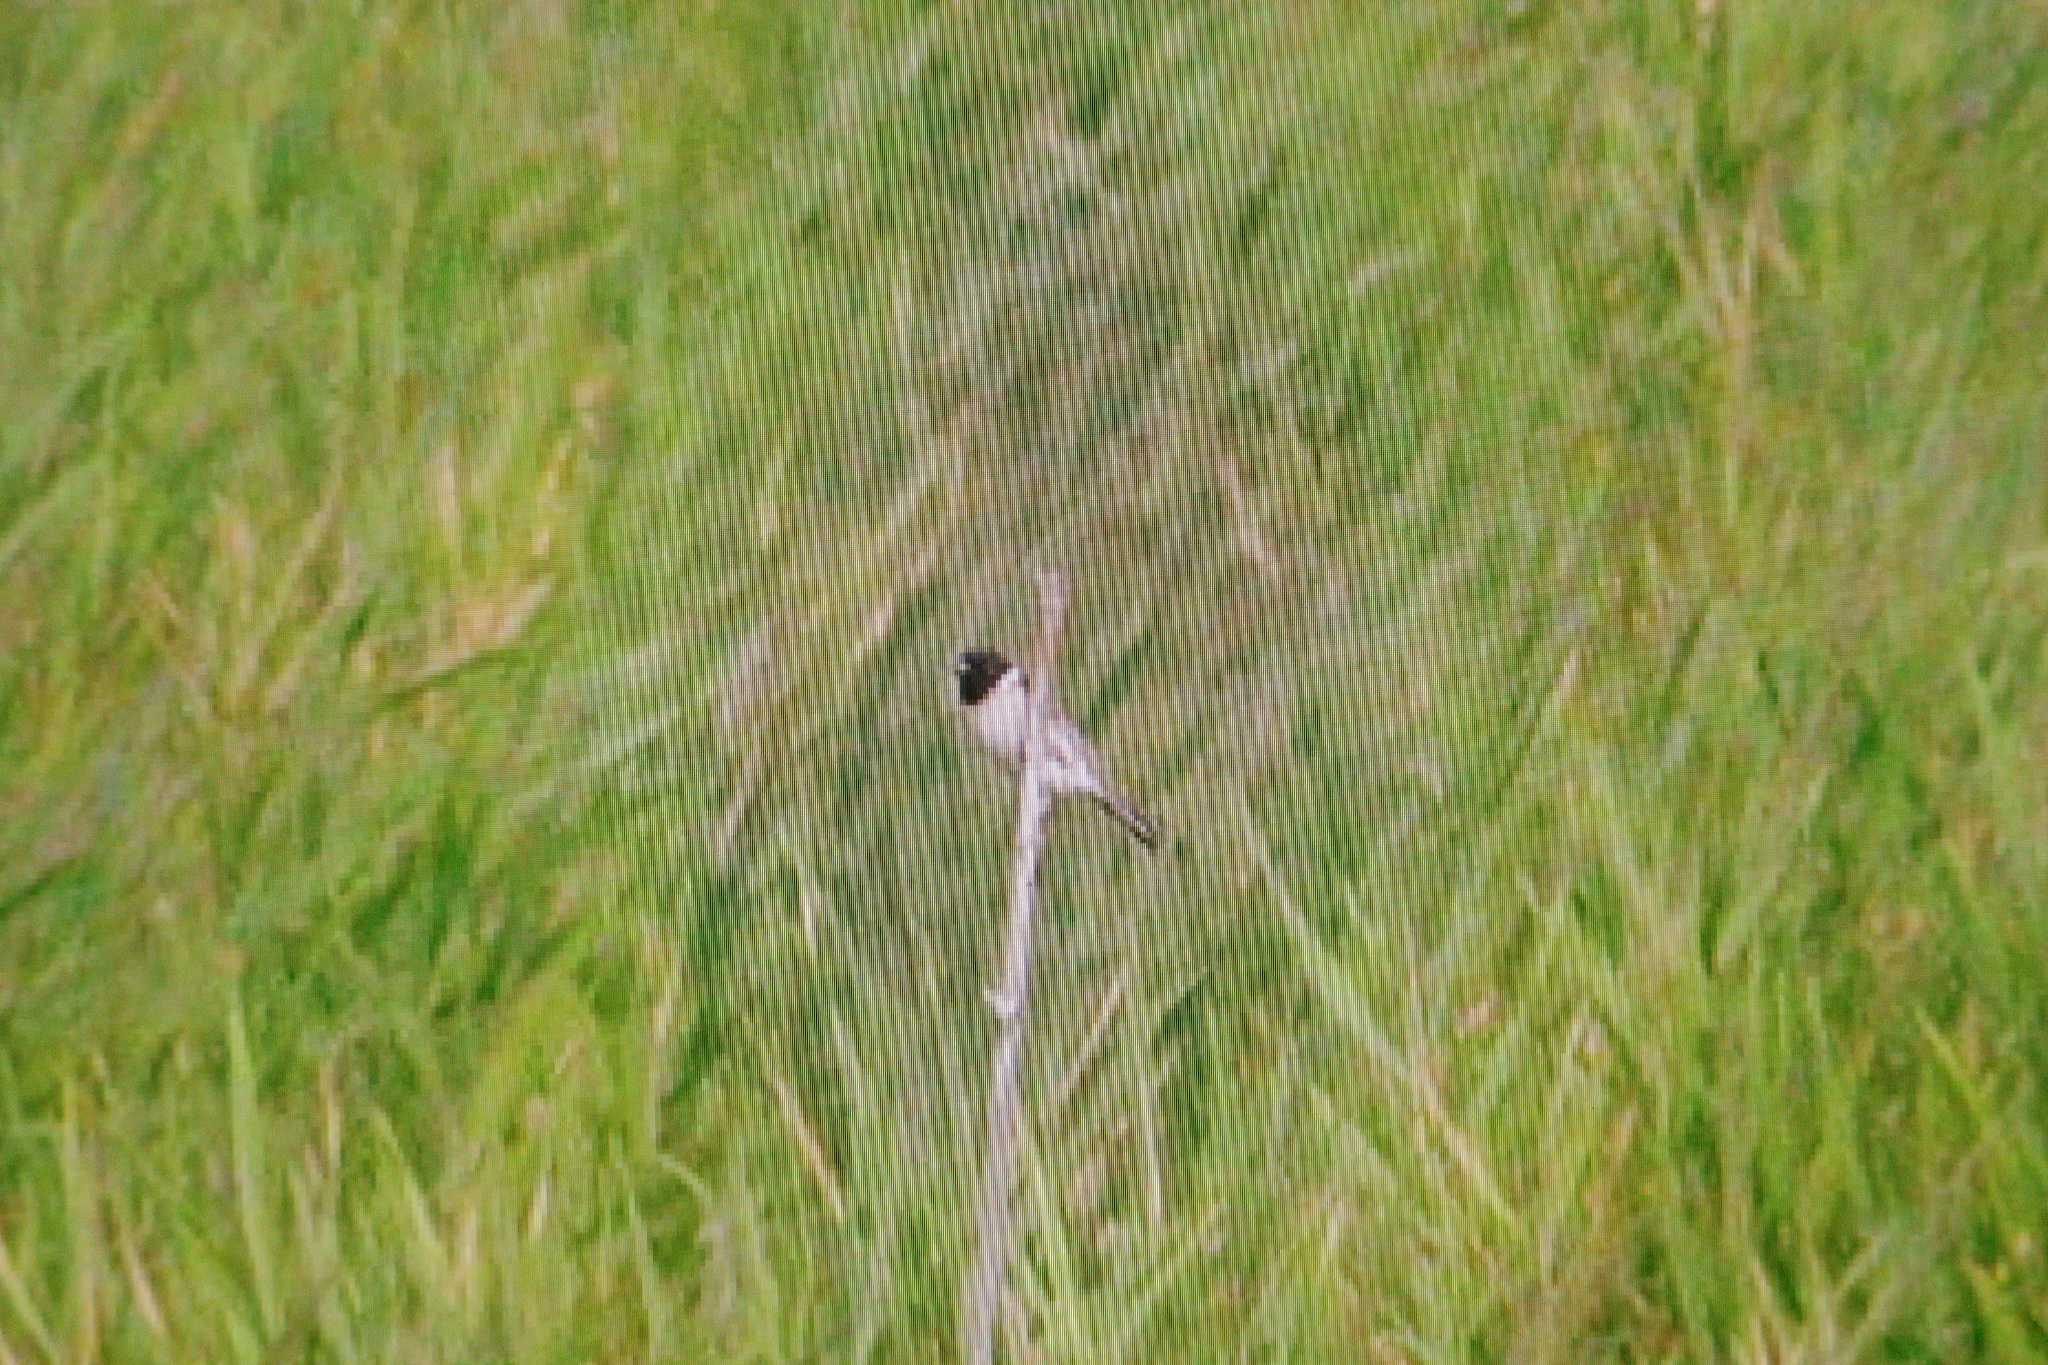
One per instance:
(995, 695)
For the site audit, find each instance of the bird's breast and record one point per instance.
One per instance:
(1001, 719)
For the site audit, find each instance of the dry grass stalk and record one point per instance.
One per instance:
(1005, 1118)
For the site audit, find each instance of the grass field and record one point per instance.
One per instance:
(1557, 498)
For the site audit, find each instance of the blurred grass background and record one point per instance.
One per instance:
(1556, 497)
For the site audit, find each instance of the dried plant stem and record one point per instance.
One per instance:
(1005, 1117)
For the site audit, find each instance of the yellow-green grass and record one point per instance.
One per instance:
(1556, 500)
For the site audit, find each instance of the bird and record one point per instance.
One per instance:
(995, 694)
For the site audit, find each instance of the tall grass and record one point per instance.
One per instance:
(1556, 503)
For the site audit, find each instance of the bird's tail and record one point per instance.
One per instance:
(1133, 819)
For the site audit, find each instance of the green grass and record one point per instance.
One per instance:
(1557, 504)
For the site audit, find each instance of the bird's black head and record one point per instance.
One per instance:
(979, 670)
